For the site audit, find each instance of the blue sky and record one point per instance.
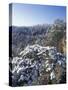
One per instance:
(29, 15)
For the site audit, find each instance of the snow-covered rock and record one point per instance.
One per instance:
(52, 75)
(27, 70)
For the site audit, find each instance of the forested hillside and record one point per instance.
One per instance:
(45, 35)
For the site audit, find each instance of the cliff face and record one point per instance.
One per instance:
(62, 45)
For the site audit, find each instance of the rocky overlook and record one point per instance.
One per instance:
(37, 65)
